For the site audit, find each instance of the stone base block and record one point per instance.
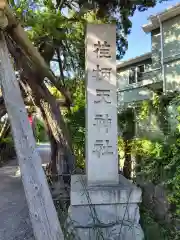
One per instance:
(104, 212)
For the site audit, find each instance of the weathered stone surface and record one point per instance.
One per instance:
(117, 232)
(110, 210)
(106, 214)
(101, 110)
(103, 194)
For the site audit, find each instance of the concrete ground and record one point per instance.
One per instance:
(14, 218)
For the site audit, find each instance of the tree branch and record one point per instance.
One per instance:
(60, 65)
(20, 37)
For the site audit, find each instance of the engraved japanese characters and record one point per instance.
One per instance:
(101, 111)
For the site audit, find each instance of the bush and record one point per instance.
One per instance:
(40, 132)
(158, 154)
(153, 230)
(7, 149)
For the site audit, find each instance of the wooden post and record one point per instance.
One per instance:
(43, 214)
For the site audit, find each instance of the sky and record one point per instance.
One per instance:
(139, 42)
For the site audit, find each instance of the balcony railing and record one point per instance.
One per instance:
(147, 78)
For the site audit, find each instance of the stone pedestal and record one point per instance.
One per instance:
(108, 212)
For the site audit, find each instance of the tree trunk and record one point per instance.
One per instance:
(127, 168)
(54, 148)
(3, 134)
(54, 154)
(48, 105)
(61, 153)
(42, 211)
(2, 108)
(5, 129)
(128, 135)
(56, 125)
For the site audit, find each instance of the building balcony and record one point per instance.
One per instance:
(152, 76)
(142, 88)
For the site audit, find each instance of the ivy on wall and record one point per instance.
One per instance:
(158, 159)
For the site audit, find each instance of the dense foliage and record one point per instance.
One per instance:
(76, 122)
(160, 161)
(7, 149)
(158, 155)
(153, 230)
(40, 132)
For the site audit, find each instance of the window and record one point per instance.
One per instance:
(137, 74)
(132, 75)
(140, 71)
(148, 67)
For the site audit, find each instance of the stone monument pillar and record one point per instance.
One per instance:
(104, 205)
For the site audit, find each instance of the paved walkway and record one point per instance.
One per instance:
(14, 218)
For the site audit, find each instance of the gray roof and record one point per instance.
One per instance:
(161, 17)
(130, 61)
